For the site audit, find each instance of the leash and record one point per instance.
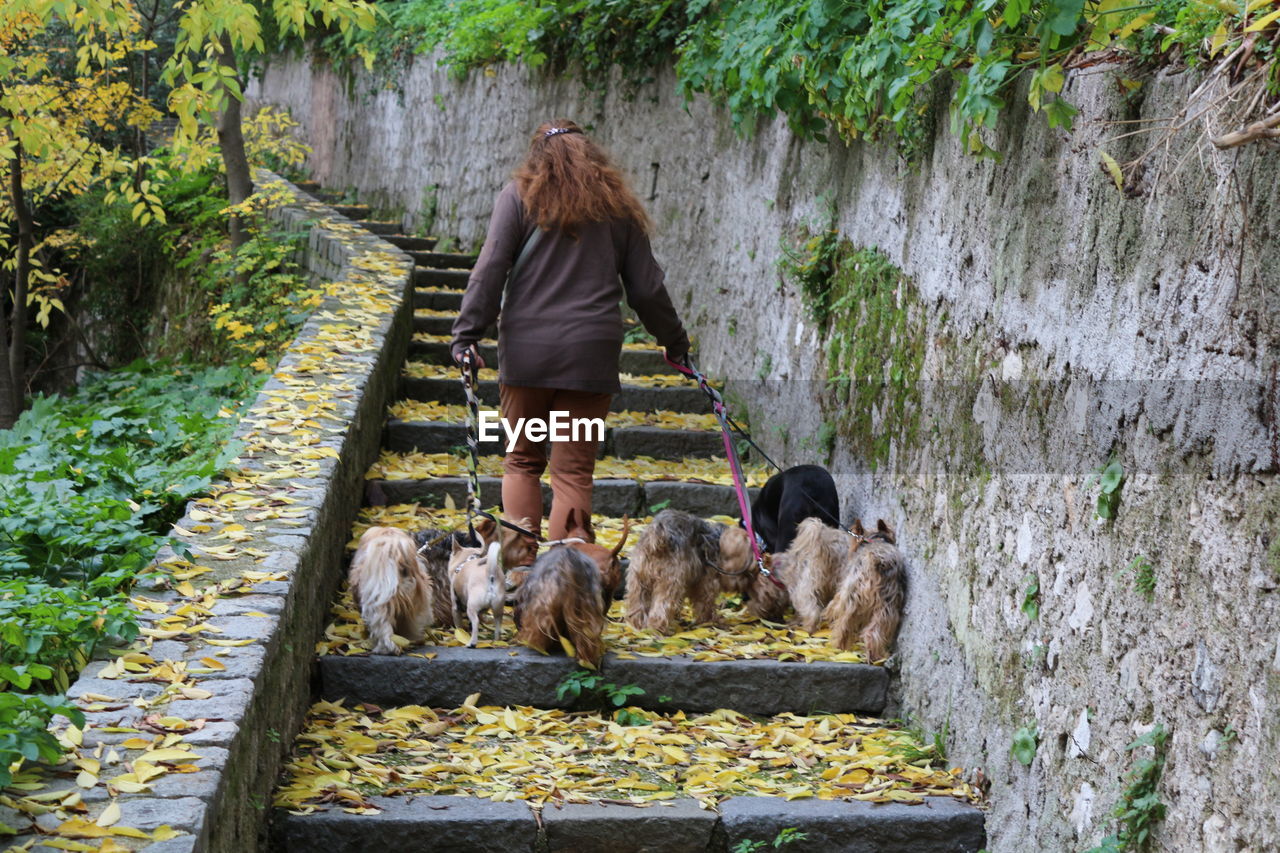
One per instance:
(735, 464)
(470, 384)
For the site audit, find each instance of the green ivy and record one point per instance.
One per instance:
(90, 484)
(865, 69)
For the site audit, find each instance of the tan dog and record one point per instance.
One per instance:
(561, 599)
(868, 605)
(815, 565)
(609, 563)
(391, 587)
(435, 547)
(518, 551)
(478, 585)
(681, 556)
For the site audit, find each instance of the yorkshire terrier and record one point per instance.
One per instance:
(681, 556)
(478, 585)
(561, 600)
(391, 588)
(764, 598)
(815, 563)
(609, 563)
(435, 547)
(868, 605)
(518, 551)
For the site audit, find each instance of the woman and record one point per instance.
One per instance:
(576, 228)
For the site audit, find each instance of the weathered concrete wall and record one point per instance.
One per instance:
(1049, 302)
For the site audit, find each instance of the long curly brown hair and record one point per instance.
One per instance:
(567, 180)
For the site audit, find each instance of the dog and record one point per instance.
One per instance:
(788, 498)
(815, 564)
(391, 588)
(561, 600)
(868, 605)
(435, 548)
(681, 556)
(477, 585)
(609, 563)
(518, 551)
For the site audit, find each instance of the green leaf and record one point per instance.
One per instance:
(1025, 742)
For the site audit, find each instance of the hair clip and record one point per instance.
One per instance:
(556, 130)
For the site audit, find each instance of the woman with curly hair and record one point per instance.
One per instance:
(567, 241)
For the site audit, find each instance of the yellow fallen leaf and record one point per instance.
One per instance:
(110, 815)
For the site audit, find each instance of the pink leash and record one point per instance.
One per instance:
(735, 465)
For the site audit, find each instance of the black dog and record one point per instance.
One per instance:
(788, 498)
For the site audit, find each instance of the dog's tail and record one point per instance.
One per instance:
(626, 531)
(497, 582)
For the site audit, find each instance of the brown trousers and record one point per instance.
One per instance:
(573, 463)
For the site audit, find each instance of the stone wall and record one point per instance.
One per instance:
(1064, 324)
(221, 678)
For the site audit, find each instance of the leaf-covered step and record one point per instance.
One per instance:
(438, 298)
(713, 471)
(520, 676)
(429, 427)
(443, 260)
(438, 322)
(438, 437)
(412, 244)
(353, 211)
(436, 348)
(609, 496)
(681, 825)
(635, 397)
(431, 277)
(381, 228)
(854, 779)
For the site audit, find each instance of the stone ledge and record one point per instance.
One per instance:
(346, 360)
(447, 823)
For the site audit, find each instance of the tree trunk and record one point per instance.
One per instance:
(14, 327)
(231, 141)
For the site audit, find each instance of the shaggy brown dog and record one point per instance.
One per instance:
(681, 556)
(561, 599)
(815, 564)
(868, 605)
(607, 562)
(390, 585)
(764, 599)
(477, 585)
(435, 547)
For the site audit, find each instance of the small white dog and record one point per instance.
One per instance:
(478, 584)
(390, 584)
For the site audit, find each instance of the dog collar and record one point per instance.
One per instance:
(570, 541)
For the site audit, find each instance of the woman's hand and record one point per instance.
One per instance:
(460, 354)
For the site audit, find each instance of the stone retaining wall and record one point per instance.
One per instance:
(1060, 323)
(225, 663)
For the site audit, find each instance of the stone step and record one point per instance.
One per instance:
(381, 228)
(609, 497)
(431, 277)
(412, 244)
(521, 676)
(442, 326)
(624, 442)
(642, 362)
(638, 398)
(441, 300)
(440, 823)
(353, 211)
(443, 260)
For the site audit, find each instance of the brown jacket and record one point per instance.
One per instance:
(561, 325)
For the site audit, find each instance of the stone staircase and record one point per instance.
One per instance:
(519, 678)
